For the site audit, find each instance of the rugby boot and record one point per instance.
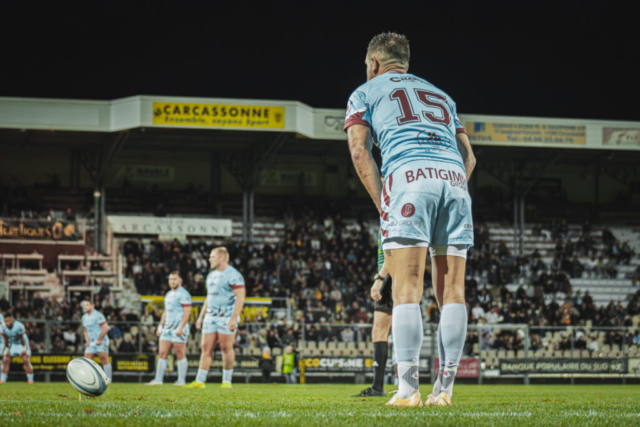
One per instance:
(196, 384)
(414, 400)
(371, 392)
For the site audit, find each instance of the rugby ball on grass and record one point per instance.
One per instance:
(87, 377)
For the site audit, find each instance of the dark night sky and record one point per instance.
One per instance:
(565, 59)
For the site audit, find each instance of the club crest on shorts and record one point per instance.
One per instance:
(408, 210)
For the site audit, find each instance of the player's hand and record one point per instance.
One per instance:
(199, 324)
(233, 323)
(98, 342)
(376, 288)
(86, 343)
(158, 332)
(179, 333)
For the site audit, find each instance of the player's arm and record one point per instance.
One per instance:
(360, 143)
(378, 283)
(105, 330)
(22, 340)
(239, 292)
(186, 313)
(468, 157)
(201, 317)
(161, 324)
(86, 337)
(6, 341)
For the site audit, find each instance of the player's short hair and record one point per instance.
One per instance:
(176, 272)
(222, 250)
(8, 315)
(390, 47)
(86, 300)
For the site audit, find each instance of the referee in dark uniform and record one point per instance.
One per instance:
(381, 293)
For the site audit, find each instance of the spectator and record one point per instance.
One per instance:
(266, 364)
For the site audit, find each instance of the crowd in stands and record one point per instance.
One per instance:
(324, 266)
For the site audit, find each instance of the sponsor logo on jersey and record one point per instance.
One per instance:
(408, 210)
(455, 179)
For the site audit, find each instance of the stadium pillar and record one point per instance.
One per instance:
(515, 222)
(251, 215)
(521, 247)
(103, 221)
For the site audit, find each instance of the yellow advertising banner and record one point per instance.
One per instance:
(526, 133)
(218, 115)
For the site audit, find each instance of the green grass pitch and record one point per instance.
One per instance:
(57, 404)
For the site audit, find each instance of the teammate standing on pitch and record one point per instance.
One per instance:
(424, 203)
(220, 316)
(17, 345)
(381, 294)
(96, 340)
(1, 343)
(173, 330)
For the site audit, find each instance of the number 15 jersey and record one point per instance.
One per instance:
(410, 119)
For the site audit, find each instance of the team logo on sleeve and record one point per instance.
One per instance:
(408, 210)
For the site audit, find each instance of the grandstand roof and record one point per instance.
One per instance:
(193, 118)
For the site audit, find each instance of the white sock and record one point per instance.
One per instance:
(160, 369)
(107, 370)
(407, 339)
(202, 375)
(408, 376)
(29, 377)
(453, 319)
(226, 375)
(183, 367)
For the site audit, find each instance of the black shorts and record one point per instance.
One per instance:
(386, 303)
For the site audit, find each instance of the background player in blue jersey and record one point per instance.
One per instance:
(96, 340)
(220, 316)
(173, 330)
(1, 342)
(424, 202)
(16, 345)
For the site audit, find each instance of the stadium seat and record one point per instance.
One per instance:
(362, 345)
(502, 354)
(256, 352)
(615, 348)
(246, 351)
(511, 354)
(331, 346)
(134, 330)
(322, 345)
(277, 351)
(635, 320)
(585, 354)
(520, 354)
(341, 346)
(557, 353)
(351, 346)
(370, 345)
(606, 349)
(484, 354)
(492, 354)
(475, 349)
(311, 345)
(566, 353)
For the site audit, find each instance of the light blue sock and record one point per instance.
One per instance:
(407, 339)
(437, 386)
(160, 369)
(202, 375)
(29, 377)
(227, 374)
(453, 323)
(3, 377)
(107, 370)
(183, 367)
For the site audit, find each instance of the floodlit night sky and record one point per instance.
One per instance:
(564, 59)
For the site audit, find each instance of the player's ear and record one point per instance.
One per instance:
(375, 65)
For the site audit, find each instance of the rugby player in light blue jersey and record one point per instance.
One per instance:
(424, 203)
(173, 330)
(96, 340)
(220, 316)
(16, 344)
(1, 342)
